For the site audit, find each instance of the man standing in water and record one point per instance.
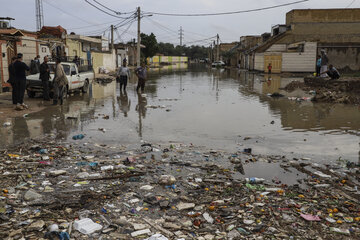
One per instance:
(142, 76)
(60, 82)
(20, 82)
(124, 75)
(45, 77)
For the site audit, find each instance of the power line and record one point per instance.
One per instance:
(351, 4)
(126, 30)
(67, 12)
(163, 27)
(103, 10)
(225, 13)
(201, 40)
(89, 26)
(116, 12)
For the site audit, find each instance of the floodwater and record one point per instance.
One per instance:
(220, 109)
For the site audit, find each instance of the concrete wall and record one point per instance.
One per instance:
(323, 15)
(300, 62)
(109, 60)
(99, 59)
(4, 63)
(28, 47)
(345, 57)
(259, 62)
(44, 51)
(277, 48)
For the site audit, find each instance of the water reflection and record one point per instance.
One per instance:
(206, 107)
(124, 103)
(141, 110)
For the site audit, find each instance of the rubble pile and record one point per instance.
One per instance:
(331, 91)
(58, 190)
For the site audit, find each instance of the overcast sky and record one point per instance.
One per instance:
(81, 18)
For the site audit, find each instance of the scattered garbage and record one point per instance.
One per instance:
(7, 124)
(62, 190)
(86, 226)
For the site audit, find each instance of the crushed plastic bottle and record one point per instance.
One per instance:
(254, 180)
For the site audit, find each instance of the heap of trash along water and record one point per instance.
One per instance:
(80, 190)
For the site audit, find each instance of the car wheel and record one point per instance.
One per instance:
(85, 88)
(31, 94)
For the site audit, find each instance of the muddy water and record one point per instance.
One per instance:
(221, 109)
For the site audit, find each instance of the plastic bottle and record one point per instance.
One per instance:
(254, 180)
(78, 137)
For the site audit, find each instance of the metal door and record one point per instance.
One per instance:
(276, 62)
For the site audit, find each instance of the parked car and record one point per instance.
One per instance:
(78, 79)
(218, 64)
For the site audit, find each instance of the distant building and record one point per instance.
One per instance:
(293, 47)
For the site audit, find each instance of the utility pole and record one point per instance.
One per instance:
(213, 53)
(134, 52)
(112, 37)
(218, 48)
(138, 38)
(39, 14)
(181, 35)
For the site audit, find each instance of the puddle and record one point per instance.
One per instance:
(213, 108)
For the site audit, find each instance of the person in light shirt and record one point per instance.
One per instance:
(124, 75)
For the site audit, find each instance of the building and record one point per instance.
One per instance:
(167, 60)
(92, 50)
(12, 42)
(293, 47)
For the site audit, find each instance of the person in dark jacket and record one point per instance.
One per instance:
(35, 65)
(12, 78)
(20, 82)
(45, 76)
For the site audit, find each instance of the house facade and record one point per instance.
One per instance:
(12, 42)
(294, 48)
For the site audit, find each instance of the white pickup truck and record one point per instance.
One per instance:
(79, 79)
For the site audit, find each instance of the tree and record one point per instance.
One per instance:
(151, 45)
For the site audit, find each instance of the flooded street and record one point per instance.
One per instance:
(220, 109)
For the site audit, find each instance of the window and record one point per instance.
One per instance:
(66, 69)
(73, 69)
(43, 49)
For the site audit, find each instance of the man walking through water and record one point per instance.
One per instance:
(60, 82)
(20, 82)
(124, 75)
(142, 76)
(45, 77)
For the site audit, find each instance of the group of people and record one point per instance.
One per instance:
(59, 83)
(123, 75)
(17, 79)
(325, 70)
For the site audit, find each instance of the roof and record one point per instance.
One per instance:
(54, 31)
(84, 38)
(11, 32)
(271, 41)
